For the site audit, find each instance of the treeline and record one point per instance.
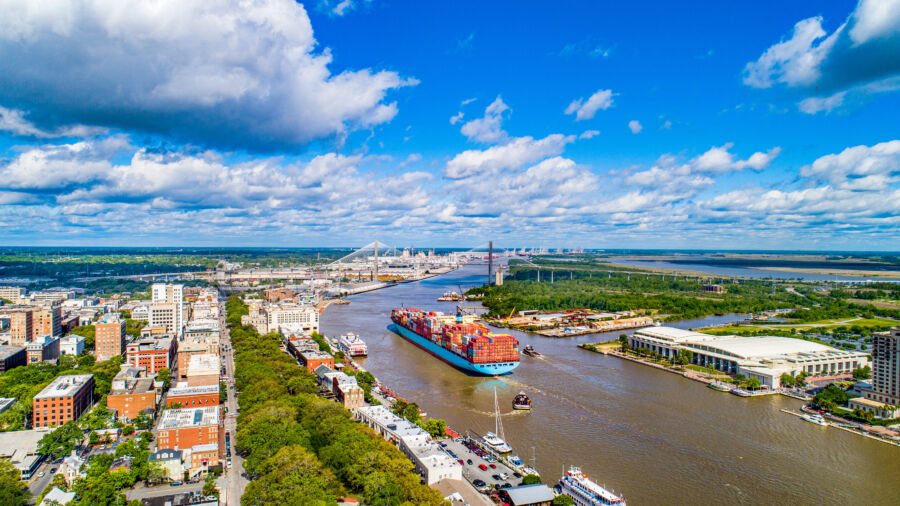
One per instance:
(301, 449)
(679, 297)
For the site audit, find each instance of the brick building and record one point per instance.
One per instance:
(313, 359)
(132, 392)
(65, 399)
(46, 320)
(203, 370)
(20, 324)
(109, 339)
(43, 349)
(192, 397)
(182, 429)
(152, 354)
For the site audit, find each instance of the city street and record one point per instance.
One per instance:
(234, 480)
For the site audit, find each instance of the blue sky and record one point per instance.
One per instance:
(734, 125)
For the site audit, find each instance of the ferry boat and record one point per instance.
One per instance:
(584, 491)
(521, 401)
(458, 340)
(718, 386)
(451, 297)
(530, 351)
(352, 345)
(814, 418)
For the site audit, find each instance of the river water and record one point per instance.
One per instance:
(653, 436)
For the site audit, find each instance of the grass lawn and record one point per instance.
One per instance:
(817, 325)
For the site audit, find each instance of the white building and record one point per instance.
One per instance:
(300, 317)
(765, 358)
(72, 344)
(431, 462)
(167, 307)
(13, 294)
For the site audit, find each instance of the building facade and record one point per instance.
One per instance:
(43, 349)
(132, 393)
(302, 317)
(12, 357)
(65, 399)
(152, 354)
(167, 307)
(883, 398)
(109, 339)
(183, 429)
(186, 396)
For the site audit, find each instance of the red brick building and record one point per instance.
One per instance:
(193, 397)
(313, 359)
(132, 392)
(182, 429)
(152, 354)
(65, 399)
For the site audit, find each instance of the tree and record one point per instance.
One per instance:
(862, 373)
(752, 383)
(436, 427)
(563, 500)
(12, 491)
(128, 430)
(800, 379)
(684, 356)
(293, 476)
(787, 380)
(61, 442)
(531, 479)
(209, 486)
(164, 375)
(58, 481)
(623, 341)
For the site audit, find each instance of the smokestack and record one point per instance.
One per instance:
(490, 262)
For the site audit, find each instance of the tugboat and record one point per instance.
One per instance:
(530, 351)
(521, 401)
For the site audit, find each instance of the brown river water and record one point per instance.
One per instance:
(652, 436)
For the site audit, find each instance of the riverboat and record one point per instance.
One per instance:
(451, 297)
(586, 492)
(352, 345)
(816, 419)
(720, 387)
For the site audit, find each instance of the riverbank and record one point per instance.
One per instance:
(845, 425)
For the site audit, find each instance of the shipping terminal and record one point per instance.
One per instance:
(458, 340)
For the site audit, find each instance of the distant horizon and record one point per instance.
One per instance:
(550, 250)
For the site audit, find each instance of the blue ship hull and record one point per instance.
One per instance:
(452, 358)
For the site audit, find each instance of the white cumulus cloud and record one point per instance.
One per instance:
(487, 129)
(587, 109)
(635, 126)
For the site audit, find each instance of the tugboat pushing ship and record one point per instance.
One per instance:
(521, 401)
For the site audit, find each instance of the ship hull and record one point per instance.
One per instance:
(450, 357)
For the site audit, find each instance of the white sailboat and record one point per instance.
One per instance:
(496, 439)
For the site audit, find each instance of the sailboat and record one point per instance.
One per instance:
(495, 439)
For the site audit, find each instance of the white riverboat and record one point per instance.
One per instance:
(352, 345)
(584, 491)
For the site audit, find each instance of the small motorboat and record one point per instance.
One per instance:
(814, 418)
(530, 351)
(521, 401)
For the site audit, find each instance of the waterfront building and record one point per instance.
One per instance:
(431, 463)
(132, 393)
(882, 397)
(109, 338)
(72, 344)
(12, 357)
(536, 494)
(65, 399)
(765, 358)
(43, 349)
(167, 307)
(302, 317)
(313, 359)
(203, 370)
(152, 354)
(187, 396)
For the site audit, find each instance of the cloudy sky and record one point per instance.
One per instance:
(739, 125)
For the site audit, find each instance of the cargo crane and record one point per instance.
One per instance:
(510, 315)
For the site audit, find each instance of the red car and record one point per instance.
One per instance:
(493, 466)
(461, 462)
(482, 467)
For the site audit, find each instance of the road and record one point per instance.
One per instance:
(235, 481)
(39, 483)
(140, 491)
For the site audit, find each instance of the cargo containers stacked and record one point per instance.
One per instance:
(458, 341)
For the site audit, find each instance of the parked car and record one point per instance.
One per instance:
(482, 467)
(469, 461)
(493, 466)
(517, 474)
(496, 477)
(176, 483)
(461, 462)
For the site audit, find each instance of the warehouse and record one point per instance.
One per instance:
(765, 357)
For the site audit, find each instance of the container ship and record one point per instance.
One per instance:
(352, 345)
(458, 340)
(586, 492)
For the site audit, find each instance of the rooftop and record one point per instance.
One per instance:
(64, 386)
(134, 386)
(165, 455)
(152, 343)
(314, 355)
(189, 417)
(8, 351)
(530, 494)
(203, 363)
(182, 388)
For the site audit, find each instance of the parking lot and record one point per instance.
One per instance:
(472, 472)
